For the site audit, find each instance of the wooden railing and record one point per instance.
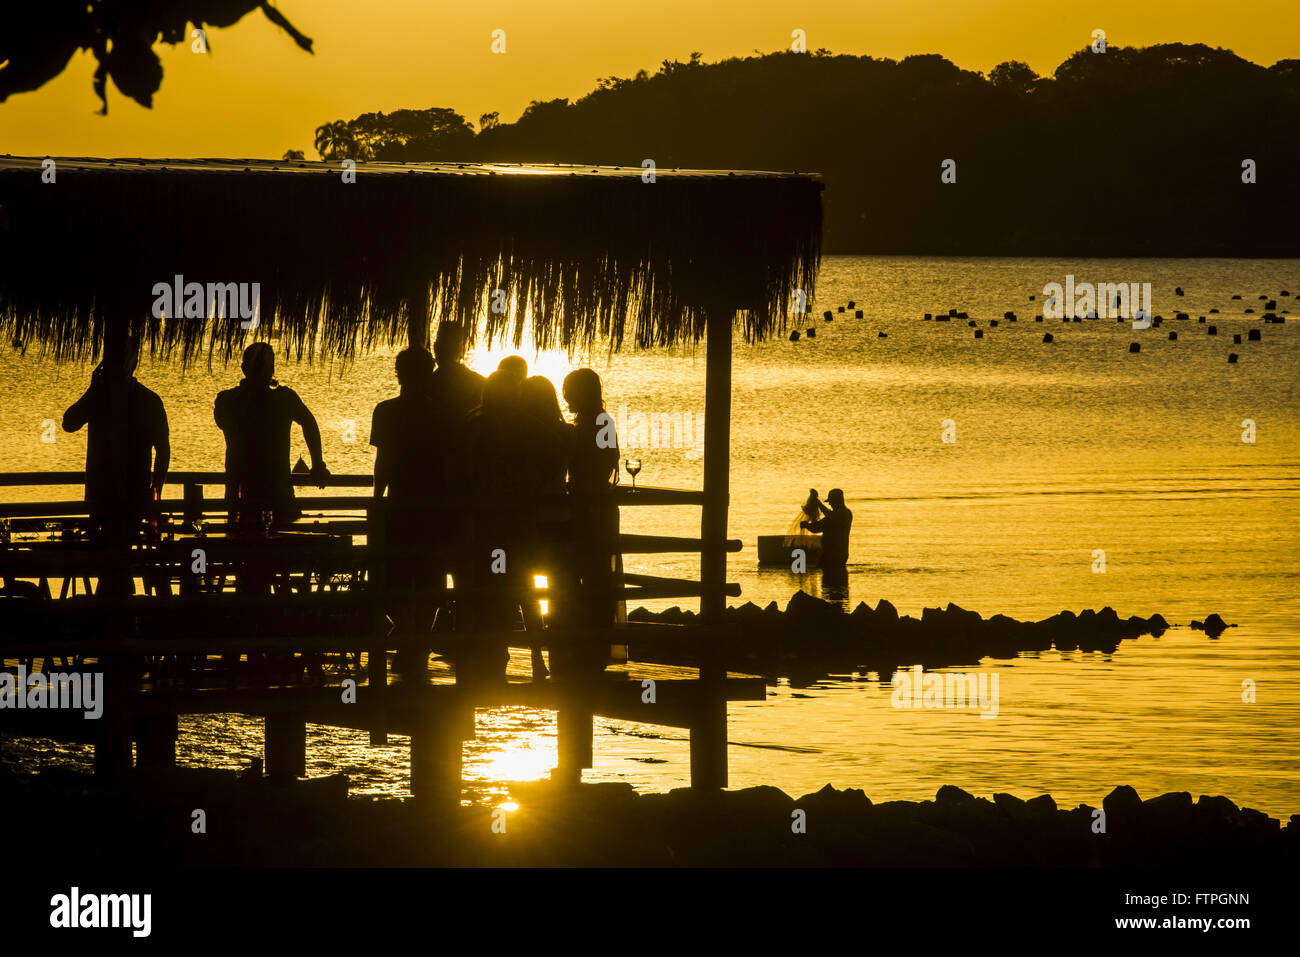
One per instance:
(342, 515)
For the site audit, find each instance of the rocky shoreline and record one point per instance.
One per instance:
(810, 636)
(314, 823)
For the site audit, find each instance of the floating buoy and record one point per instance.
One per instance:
(857, 314)
(952, 312)
(1182, 315)
(852, 303)
(1135, 347)
(993, 322)
(1263, 297)
(942, 318)
(882, 335)
(1031, 298)
(840, 309)
(1271, 304)
(1253, 335)
(1236, 339)
(827, 314)
(1202, 319)
(962, 315)
(1047, 337)
(971, 324)
(1232, 357)
(794, 335)
(1173, 336)
(927, 317)
(1213, 330)
(1178, 290)
(810, 332)
(1038, 318)
(1282, 293)
(1236, 297)
(1248, 310)
(1008, 315)
(979, 333)
(1213, 312)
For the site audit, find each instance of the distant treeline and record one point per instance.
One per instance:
(1127, 152)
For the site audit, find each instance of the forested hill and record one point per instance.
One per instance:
(1127, 152)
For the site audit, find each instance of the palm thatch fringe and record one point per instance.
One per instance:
(583, 253)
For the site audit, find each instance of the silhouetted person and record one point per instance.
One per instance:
(457, 389)
(503, 533)
(549, 440)
(411, 467)
(128, 429)
(593, 471)
(514, 366)
(834, 526)
(257, 417)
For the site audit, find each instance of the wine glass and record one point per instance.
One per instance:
(633, 466)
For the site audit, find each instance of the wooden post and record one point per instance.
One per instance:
(156, 741)
(709, 730)
(113, 746)
(285, 747)
(573, 731)
(436, 756)
(717, 463)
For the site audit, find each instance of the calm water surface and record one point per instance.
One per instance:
(1061, 450)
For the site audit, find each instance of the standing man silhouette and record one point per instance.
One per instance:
(128, 427)
(257, 416)
(834, 526)
(411, 466)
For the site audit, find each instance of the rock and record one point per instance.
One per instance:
(882, 335)
(951, 794)
(886, 612)
(803, 607)
(1214, 626)
(1157, 624)
(1010, 803)
(1041, 805)
(1177, 802)
(1122, 801)
(1217, 812)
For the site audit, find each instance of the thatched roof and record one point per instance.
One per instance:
(587, 252)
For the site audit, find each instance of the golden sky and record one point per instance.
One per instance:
(257, 94)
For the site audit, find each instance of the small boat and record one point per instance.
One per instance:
(778, 549)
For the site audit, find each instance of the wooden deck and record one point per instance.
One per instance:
(319, 647)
